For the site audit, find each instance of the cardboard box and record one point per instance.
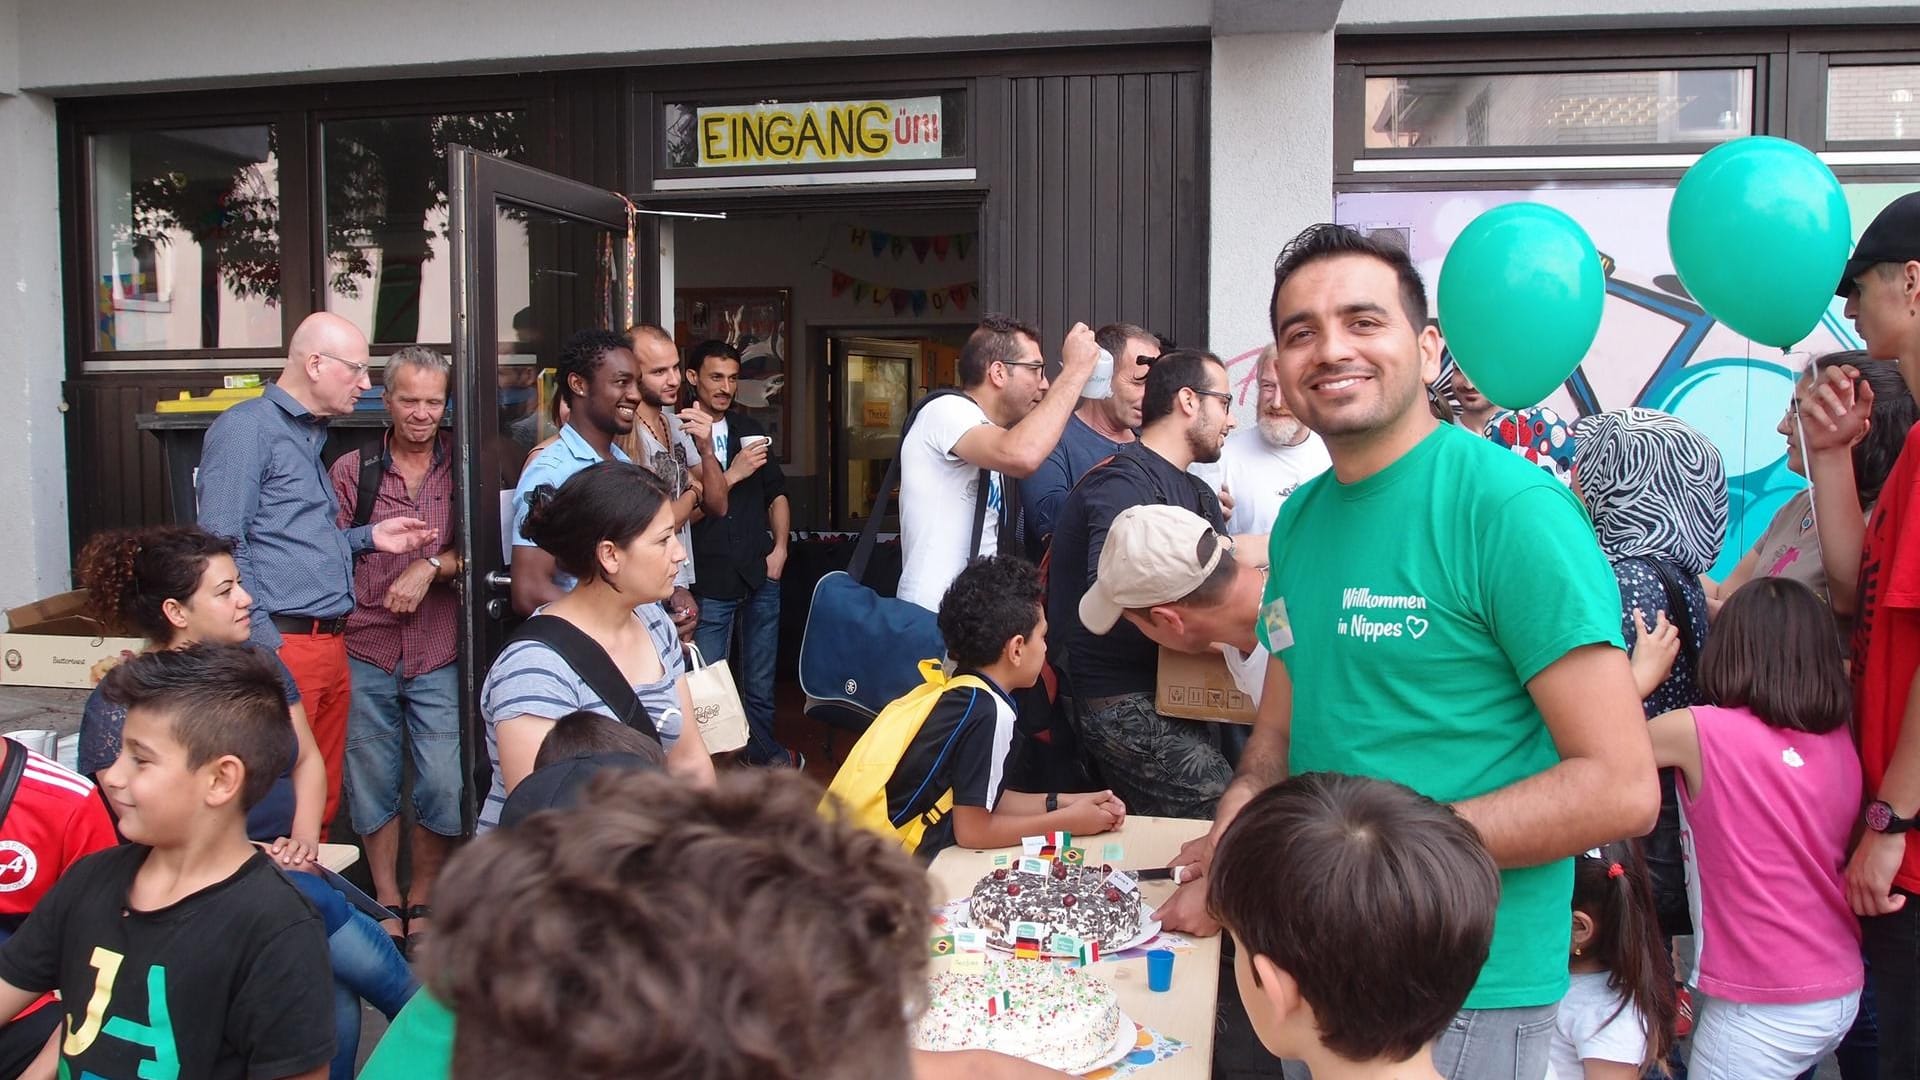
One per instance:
(53, 642)
(1197, 686)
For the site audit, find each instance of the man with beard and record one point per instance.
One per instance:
(1158, 765)
(675, 445)
(1422, 633)
(742, 553)
(1097, 428)
(1475, 410)
(1262, 465)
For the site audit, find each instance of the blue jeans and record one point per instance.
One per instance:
(391, 714)
(1892, 946)
(759, 617)
(366, 967)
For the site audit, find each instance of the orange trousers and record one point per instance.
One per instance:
(319, 666)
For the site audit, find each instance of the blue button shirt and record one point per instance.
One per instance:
(554, 465)
(262, 485)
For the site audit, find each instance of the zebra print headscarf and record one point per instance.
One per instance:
(1656, 488)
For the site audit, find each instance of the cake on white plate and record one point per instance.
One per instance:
(1066, 899)
(1049, 1014)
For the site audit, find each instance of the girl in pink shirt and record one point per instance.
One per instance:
(1770, 789)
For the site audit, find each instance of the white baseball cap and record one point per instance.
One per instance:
(1152, 557)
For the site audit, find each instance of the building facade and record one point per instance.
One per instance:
(184, 182)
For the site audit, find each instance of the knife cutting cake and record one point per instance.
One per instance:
(1049, 1014)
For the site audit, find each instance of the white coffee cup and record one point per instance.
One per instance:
(752, 441)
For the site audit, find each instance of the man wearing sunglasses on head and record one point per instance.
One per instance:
(263, 485)
(961, 447)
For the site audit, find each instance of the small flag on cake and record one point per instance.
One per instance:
(1089, 952)
(1073, 856)
(942, 944)
(999, 1003)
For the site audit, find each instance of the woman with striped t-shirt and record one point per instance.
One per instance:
(611, 527)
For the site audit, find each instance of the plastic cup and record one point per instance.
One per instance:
(1159, 970)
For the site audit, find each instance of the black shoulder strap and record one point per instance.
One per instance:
(591, 662)
(10, 776)
(373, 465)
(980, 489)
(870, 534)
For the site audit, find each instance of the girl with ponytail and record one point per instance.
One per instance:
(1617, 1020)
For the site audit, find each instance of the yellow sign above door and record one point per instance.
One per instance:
(903, 129)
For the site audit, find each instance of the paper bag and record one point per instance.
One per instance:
(716, 704)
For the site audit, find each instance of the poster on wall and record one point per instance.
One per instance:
(1656, 347)
(759, 323)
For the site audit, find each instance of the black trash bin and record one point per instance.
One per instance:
(183, 435)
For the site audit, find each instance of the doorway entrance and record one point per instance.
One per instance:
(791, 289)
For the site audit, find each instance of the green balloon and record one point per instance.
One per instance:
(1759, 233)
(1521, 293)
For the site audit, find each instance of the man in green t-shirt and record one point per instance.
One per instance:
(1441, 616)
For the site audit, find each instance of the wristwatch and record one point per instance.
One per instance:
(434, 561)
(1053, 801)
(1882, 819)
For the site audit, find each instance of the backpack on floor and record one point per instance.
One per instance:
(860, 787)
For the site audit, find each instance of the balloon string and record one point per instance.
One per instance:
(1806, 462)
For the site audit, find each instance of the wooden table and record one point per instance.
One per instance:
(1185, 1012)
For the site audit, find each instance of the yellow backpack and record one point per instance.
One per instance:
(860, 787)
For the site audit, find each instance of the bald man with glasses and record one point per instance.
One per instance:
(263, 485)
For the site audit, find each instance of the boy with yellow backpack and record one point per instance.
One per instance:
(932, 767)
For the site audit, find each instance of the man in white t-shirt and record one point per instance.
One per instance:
(1262, 465)
(1005, 420)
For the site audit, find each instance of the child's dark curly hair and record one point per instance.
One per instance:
(659, 930)
(994, 600)
(130, 574)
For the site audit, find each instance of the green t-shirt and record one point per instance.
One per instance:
(418, 1044)
(1410, 610)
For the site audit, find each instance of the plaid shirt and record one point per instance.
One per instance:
(426, 639)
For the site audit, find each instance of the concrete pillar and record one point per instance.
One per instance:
(33, 485)
(1271, 170)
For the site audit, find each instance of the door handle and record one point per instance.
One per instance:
(498, 579)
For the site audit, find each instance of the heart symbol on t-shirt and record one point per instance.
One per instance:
(1792, 757)
(1416, 625)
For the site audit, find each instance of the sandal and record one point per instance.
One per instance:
(400, 916)
(415, 938)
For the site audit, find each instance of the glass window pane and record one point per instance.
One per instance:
(186, 239)
(908, 128)
(1873, 102)
(386, 217)
(1572, 109)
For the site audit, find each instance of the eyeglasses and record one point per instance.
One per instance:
(1223, 396)
(358, 368)
(1035, 364)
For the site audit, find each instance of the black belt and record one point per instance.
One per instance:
(300, 624)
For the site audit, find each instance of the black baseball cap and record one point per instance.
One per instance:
(560, 785)
(1894, 237)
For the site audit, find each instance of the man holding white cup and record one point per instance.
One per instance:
(740, 556)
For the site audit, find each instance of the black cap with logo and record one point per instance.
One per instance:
(1894, 237)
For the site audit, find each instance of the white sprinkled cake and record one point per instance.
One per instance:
(1050, 1015)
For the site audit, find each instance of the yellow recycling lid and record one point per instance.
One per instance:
(213, 401)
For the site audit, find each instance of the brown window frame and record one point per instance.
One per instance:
(299, 113)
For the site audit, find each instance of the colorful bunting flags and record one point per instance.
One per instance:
(879, 242)
(937, 299)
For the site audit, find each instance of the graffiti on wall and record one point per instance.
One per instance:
(1656, 347)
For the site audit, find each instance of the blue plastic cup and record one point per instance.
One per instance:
(1159, 970)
